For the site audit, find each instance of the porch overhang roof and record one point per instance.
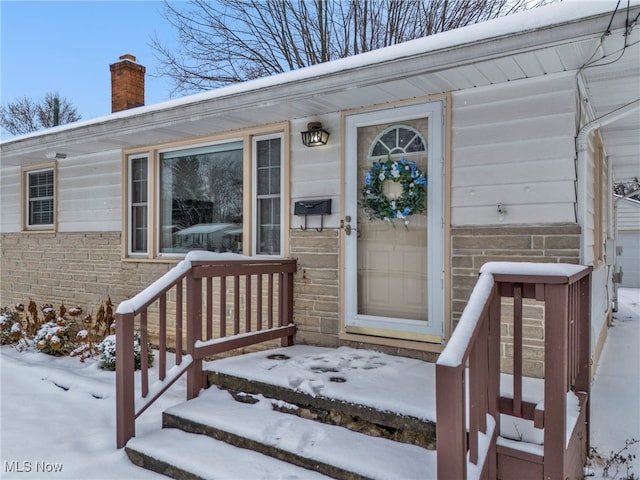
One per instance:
(560, 38)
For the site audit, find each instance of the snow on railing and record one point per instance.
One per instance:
(153, 291)
(468, 416)
(199, 286)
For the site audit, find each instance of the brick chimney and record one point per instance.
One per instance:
(127, 84)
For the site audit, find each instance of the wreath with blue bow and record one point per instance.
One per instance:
(412, 199)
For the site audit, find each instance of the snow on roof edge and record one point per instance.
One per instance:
(529, 20)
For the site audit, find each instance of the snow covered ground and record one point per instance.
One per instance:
(615, 394)
(57, 417)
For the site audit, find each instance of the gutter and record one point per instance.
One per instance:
(581, 139)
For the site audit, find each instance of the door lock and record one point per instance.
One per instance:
(347, 225)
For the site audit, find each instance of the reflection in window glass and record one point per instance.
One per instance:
(398, 140)
(40, 190)
(201, 199)
(139, 205)
(268, 158)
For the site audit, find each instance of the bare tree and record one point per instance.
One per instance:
(26, 115)
(230, 41)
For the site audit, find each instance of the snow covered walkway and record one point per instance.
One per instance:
(615, 392)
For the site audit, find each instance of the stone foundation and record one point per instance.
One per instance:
(472, 247)
(71, 268)
(86, 268)
(316, 286)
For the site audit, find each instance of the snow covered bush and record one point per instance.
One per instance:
(10, 327)
(61, 331)
(107, 349)
(57, 337)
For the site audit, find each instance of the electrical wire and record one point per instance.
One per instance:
(628, 29)
(622, 52)
(608, 30)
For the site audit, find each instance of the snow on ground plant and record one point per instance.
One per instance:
(59, 332)
(107, 351)
(57, 337)
(618, 465)
(11, 331)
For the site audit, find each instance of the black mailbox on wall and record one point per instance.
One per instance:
(313, 207)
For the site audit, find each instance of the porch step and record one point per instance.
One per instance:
(327, 449)
(362, 390)
(187, 456)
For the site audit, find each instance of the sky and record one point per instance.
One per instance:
(67, 47)
(58, 413)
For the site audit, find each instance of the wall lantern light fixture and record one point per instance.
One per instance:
(315, 135)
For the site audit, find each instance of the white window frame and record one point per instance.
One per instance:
(255, 224)
(248, 139)
(28, 199)
(131, 205)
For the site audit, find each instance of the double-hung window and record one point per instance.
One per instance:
(267, 187)
(139, 204)
(40, 199)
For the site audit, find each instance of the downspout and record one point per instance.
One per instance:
(582, 147)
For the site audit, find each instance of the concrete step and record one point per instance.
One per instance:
(326, 449)
(187, 456)
(364, 391)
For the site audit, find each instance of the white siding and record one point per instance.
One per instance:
(10, 204)
(628, 212)
(629, 259)
(90, 193)
(628, 215)
(316, 172)
(513, 144)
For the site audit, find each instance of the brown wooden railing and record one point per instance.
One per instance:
(249, 300)
(468, 416)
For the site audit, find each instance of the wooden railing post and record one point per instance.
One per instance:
(493, 386)
(194, 333)
(583, 380)
(451, 434)
(286, 307)
(555, 380)
(125, 368)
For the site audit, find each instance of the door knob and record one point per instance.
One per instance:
(347, 225)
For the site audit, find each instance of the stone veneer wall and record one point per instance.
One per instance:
(85, 268)
(71, 268)
(316, 286)
(472, 247)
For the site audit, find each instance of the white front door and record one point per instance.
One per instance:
(394, 268)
